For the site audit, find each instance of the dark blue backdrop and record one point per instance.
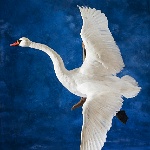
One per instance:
(34, 107)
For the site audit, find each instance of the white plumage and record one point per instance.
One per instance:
(95, 79)
(102, 50)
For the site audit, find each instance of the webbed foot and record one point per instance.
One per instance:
(121, 115)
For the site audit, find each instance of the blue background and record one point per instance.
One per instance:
(34, 107)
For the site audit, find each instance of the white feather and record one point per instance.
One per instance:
(102, 53)
(95, 125)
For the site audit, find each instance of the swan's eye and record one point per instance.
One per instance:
(19, 41)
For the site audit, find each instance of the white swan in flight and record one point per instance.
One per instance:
(96, 79)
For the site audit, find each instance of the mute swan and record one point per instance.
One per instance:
(96, 79)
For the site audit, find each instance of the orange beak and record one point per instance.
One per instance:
(15, 44)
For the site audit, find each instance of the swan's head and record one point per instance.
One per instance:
(23, 42)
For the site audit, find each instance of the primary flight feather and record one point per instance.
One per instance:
(96, 79)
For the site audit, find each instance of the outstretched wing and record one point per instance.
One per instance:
(98, 111)
(102, 53)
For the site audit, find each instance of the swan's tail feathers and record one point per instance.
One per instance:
(131, 88)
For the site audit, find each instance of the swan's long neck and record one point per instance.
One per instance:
(61, 72)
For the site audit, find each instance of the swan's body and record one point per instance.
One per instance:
(95, 79)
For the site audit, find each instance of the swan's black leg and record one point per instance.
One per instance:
(121, 115)
(80, 103)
